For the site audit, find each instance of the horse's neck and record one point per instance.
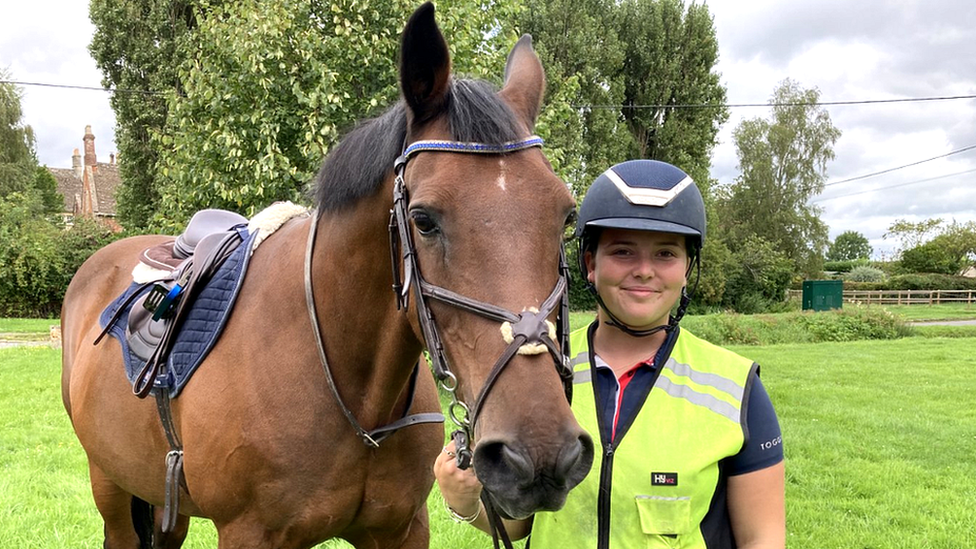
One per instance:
(361, 325)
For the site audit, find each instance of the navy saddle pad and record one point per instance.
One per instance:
(204, 322)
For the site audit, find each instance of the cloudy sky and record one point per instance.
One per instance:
(866, 50)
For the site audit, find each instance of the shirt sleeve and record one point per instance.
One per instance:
(764, 446)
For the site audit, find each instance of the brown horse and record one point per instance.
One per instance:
(269, 454)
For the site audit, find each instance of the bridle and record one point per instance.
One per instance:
(530, 331)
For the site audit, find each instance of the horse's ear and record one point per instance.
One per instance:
(425, 65)
(525, 81)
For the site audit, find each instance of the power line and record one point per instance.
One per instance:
(865, 176)
(787, 104)
(896, 186)
(71, 87)
(628, 107)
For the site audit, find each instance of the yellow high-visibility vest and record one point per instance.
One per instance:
(661, 485)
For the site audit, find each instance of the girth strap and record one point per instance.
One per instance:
(174, 459)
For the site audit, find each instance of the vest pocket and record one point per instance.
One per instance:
(664, 516)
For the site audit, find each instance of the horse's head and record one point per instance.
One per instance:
(488, 231)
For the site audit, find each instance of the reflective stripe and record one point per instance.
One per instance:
(704, 400)
(714, 381)
(582, 376)
(579, 359)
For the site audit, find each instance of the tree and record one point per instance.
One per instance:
(21, 178)
(136, 46)
(756, 277)
(912, 233)
(670, 57)
(948, 252)
(17, 156)
(930, 258)
(256, 92)
(783, 162)
(583, 58)
(848, 246)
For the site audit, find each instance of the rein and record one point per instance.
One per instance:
(374, 437)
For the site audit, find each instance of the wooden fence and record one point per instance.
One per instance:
(903, 297)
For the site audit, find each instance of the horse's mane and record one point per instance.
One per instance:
(360, 163)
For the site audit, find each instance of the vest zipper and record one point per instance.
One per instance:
(603, 501)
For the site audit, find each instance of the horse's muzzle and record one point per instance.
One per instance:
(523, 478)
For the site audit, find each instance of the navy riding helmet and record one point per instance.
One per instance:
(643, 195)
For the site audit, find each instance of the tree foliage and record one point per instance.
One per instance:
(17, 156)
(38, 258)
(607, 61)
(930, 258)
(912, 233)
(783, 161)
(948, 252)
(757, 276)
(583, 58)
(21, 178)
(256, 92)
(848, 246)
(670, 56)
(136, 45)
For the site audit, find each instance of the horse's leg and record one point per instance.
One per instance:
(169, 540)
(116, 507)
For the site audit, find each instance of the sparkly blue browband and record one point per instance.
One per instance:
(457, 146)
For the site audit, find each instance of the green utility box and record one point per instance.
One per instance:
(823, 295)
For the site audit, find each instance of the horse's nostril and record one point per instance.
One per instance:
(574, 458)
(497, 461)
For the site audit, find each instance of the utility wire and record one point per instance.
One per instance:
(865, 176)
(896, 186)
(787, 104)
(629, 107)
(86, 88)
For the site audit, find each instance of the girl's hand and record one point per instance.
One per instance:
(460, 488)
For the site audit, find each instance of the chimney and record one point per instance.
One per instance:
(111, 157)
(89, 201)
(90, 159)
(76, 164)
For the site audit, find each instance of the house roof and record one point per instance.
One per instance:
(106, 182)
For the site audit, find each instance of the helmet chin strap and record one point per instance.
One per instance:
(672, 320)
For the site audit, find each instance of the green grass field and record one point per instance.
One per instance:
(879, 439)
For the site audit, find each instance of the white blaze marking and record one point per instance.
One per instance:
(501, 175)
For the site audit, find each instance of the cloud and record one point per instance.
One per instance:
(855, 51)
(58, 55)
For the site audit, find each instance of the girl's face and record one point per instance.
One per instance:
(638, 274)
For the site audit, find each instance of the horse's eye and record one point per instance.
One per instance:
(569, 228)
(571, 219)
(424, 223)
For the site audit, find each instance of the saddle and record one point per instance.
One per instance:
(190, 260)
(173, 318)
